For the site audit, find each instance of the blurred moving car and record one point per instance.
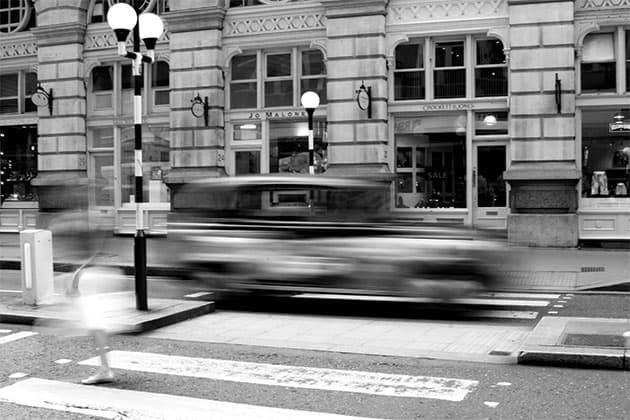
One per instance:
(294, 234)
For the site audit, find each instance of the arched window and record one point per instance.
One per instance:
(16, 15)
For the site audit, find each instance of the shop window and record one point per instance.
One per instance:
(15, 92)
(16, 16)
(409, 72)
(288, 147)
(155, 164)
(285, 76)
(313, 74)
(449, 73)
(431, 162)
(18, 162)
(278, 81)
(490, 69)
(605, 153)
(598, 63)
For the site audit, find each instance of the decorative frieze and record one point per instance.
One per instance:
(426, 10)
(272, 24)
(104, 37)
(18, 49)
(601, 4)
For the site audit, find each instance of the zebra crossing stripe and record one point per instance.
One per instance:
(292, 376)
(112, 403)
(16, 336)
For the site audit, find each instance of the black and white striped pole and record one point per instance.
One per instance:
(122, 18)
(310, 102)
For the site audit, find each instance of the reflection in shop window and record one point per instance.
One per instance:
(431, 165)
(605, 155)
(288, 147)
(18, 162)
(155, 164)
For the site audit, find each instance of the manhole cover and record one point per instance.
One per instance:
(594, 340)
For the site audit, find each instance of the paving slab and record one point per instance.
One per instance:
(126, 318)
(578, 342)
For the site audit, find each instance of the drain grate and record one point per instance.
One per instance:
(592, 269)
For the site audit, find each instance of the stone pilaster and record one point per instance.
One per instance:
(543, 173)
(196, 59)
(356, 54)
(62, 168)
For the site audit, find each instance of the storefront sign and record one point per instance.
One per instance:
(445, 107)
(270, 115)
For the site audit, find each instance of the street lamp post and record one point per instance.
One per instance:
(122, 18)
(310, 101)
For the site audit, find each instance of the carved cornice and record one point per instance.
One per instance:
(354, 8)
(16, 46)
(408, 11)
(66, 33)
(190, 20)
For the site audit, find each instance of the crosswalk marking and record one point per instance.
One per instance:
(517, 295)
(507, 314)
(490, 301)
(16, 336)
(112, 403)
(293, 376)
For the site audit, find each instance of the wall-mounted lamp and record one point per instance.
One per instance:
(199, 108)
(364, 99)
(490, 120)
(43, 98)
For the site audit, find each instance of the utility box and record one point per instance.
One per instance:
(37, 266)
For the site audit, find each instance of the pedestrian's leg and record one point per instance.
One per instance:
(104, 373)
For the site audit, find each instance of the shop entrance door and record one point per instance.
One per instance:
(490, 194)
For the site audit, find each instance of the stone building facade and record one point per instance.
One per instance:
(502, 114)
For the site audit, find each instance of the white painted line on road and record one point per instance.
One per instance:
(10, 291)
(198, 294)
(515, 295)
(63, 361)
(18, 375)
(374, 383)
(507, 314)
(5, 331)
(552, 312)
(504, 383)
(16, 336)
(112, 403)
(462, 301)
(491, 404)
(558, 306)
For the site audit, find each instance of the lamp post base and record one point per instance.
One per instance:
(140, 265)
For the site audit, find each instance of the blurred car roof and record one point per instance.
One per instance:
(286, 181)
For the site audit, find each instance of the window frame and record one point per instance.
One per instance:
(422, 70)
(477, 66)
(463, 67)
(282, 78)
(22, 97)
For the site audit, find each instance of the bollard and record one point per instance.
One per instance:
(37, 266)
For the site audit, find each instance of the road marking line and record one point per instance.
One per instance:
(374, 383)
(521, 295)
(463, 301)
(491, 404)
(504, 383)
(16, 336)
(10, 291)
(5, 331)
(198, 294)
(552, 312)
(558, 306)
(18, 375)
(63, 361)
(507, 314)
(112, 403)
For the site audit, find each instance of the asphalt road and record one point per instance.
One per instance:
(501, 391)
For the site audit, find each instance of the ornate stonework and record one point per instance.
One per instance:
(406, 11)
(601, 4)
(273, 24)
(97, 39)
(18, 49)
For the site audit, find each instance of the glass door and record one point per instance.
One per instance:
(490, 193)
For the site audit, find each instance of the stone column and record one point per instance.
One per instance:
(356, 54)
(62, 178)
(543, 173)
(196, 60)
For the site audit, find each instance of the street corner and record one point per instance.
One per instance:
(600, 343)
